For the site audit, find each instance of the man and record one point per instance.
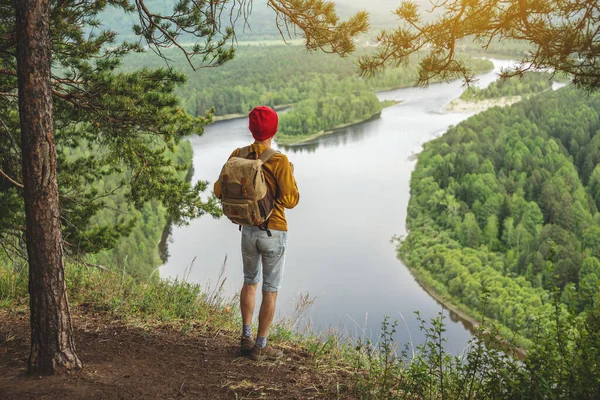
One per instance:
(265, 247)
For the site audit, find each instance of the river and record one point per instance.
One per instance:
(354, 192)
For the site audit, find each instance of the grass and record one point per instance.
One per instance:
(13, 284)
(178, 303)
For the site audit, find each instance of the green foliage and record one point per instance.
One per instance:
(532, 83)
(13, 281)
(562, 364)
(135, 252)
(152, 301)
(506, 200)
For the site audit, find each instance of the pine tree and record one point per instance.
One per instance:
(48, 293)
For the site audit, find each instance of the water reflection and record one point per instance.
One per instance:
(340, 137)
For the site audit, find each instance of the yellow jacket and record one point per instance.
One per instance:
(281, 182)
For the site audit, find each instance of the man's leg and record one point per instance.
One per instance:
(247, 302)
(273, 250)
(252, 260)
(267, 311)
(261, 351)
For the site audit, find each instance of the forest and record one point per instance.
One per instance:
(126, 238)
(506, 204)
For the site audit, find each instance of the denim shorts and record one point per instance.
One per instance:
(262, 251)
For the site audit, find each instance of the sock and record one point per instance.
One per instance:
(261, 342)
(247, 330)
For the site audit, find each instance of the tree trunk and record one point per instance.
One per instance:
(52, 347)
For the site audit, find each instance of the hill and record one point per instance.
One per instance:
(175, 339)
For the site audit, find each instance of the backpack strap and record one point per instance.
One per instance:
(265, 157)
(244, 152)
(267, 154)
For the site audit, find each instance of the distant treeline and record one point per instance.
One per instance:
(507, 202)
(260, 25)
(530, 83)
(274, 76)
(512, 50)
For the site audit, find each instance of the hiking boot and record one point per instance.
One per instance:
(266, 353)
(246, 345)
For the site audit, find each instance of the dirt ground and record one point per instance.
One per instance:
(124, 362)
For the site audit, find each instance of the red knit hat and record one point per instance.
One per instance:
(263, 122)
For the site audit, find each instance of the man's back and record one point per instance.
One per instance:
(281, 183)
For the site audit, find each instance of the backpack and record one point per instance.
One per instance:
(245, 196)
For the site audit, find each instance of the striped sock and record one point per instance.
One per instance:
(247, 330)
(261, 342)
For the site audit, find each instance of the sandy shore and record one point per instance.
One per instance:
(461, 106)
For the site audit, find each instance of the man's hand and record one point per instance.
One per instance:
(292, 166)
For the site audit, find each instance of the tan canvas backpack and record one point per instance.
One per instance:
(245, 196)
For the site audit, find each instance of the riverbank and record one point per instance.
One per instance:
(289, 140)
(462, 313)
